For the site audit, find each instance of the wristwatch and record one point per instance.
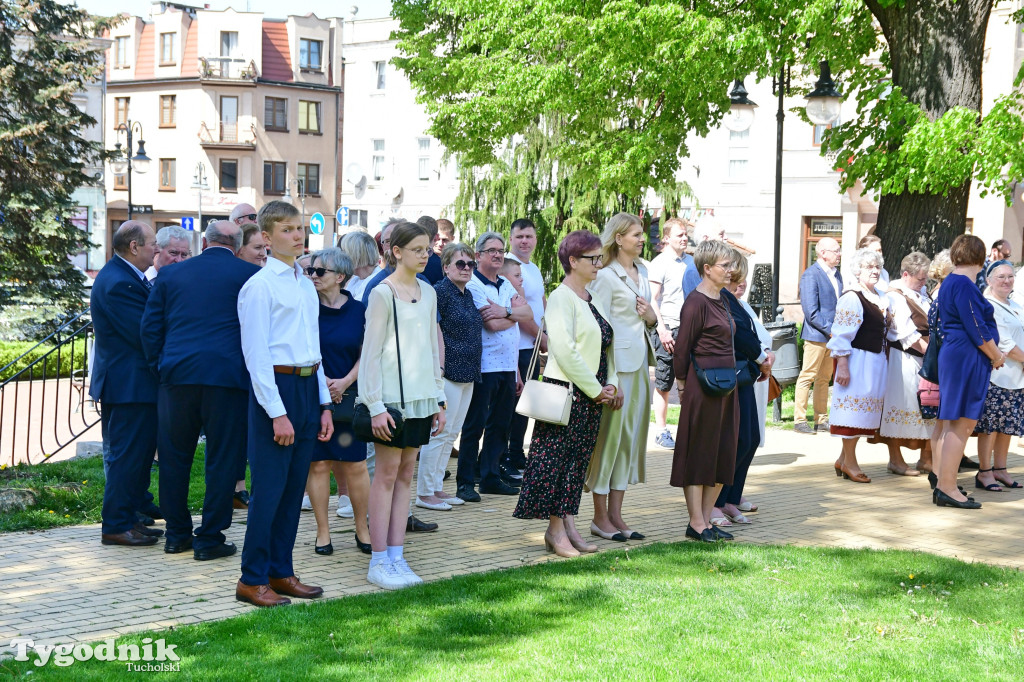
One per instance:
(326, 407)
(442, 404)
(508, 311)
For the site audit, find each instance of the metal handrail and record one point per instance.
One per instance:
(56, 333)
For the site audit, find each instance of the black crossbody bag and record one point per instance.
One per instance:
(717, 381)
(362, 424)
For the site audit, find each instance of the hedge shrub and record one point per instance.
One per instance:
(12, 350)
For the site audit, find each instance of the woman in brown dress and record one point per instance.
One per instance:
(705, 454)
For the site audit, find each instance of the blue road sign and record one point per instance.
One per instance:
(316, 223)
(342, 216)
(188, 223)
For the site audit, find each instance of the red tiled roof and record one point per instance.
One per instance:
(277, 62)
(190, 62)
(147, 53)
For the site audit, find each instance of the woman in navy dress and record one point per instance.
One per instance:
(968, 355)
(342, 322)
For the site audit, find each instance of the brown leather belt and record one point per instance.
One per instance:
(300, 371)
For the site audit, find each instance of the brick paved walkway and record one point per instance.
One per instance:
(62, 585)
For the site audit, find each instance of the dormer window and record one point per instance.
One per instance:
(310, 53)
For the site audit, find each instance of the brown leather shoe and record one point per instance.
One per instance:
(259, 595)
(130, 538)
(293, 588)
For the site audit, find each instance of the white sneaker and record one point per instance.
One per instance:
(402, 567)
(385, 575)
(345, 510)
(306, 504)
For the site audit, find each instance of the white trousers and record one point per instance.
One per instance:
(434, 455)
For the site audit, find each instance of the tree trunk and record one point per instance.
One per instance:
(937, 49)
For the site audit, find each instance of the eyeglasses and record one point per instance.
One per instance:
(728, 266)
(319, 272)
(418, 251)
(594, 260)
(250, 216)
(465, 264)
(493, 252)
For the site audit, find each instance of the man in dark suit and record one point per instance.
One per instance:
(191, 335)
(820, 288)
(124, 385)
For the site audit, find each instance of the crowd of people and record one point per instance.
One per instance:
(370, 359)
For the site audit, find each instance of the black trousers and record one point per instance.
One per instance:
(130, 433)
(515, 457)
(184, 412)
(494, 398)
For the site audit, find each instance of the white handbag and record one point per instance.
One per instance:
(544, 401)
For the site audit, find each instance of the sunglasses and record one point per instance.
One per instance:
(319, 272)
(464, 264)
(250, 216)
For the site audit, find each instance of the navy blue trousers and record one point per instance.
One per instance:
(746, 445)
(515, 457)
(278, 475)
(130, 432)
(491, 408)
(184, 412)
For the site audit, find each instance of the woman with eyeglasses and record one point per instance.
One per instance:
(342, 322)
(705, 454)
(580, 358)
(858, 343)
(461, 328)
(400, 367)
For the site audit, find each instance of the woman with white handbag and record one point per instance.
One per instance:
(582, 368)
(624, 289)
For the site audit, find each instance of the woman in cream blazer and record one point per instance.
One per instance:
(579, 357)
(623, 288)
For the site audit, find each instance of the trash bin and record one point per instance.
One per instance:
(787, 356)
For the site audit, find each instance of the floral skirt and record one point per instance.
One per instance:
(1004, 412)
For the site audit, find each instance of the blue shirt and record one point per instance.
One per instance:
(691, 278)
(461, 327)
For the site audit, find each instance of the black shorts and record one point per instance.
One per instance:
(664, 372)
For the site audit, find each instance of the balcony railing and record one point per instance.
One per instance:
(228, 135)
(228, 68)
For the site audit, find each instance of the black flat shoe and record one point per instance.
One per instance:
(944, 500)
(325, 550)
(933, 481)
(691, 533)
(721, 534)
(414, 525)
(215, 552)
(177, 547)
(152, 532)
(363, 547)
(969, 464)
(708, 535)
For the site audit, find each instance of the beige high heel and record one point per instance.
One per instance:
(555, 549)
(582, 547)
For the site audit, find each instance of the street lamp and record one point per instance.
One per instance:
(741, 109)
(823, 102)
(122, 163)
(289, 199)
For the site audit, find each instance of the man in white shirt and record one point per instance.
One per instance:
(666, 276)
(494, 397)
(172, 246)
(522, 242)
(289, 407)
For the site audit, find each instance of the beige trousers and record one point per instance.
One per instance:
(817, 370)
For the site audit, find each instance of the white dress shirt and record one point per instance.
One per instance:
(278, 310)
(501, 349)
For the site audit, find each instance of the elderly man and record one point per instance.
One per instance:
(494, 397)
(123, 383)
(172, 246)
(243, 214)
(203, 386)
(820, 288)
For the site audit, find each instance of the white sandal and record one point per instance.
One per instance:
(739, 518)
(720, 521)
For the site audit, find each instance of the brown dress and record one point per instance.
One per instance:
(708, 430)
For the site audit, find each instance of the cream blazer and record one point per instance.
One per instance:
(618, 292)
(574, 341)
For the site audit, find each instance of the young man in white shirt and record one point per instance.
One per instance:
(289, 407)
(522, 243)
(494, 396)
(666, 276)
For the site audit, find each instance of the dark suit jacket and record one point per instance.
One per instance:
(818, 301)
(190, 330)
(120, 373)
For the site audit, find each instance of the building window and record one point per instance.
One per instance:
(309, 117)
(357, 218)
(273, 177)
(819, 133)
(121, 182)
(167, 178)
(737, 169)
(739, 138)
(424, 158)
(309, 177)
(229, 119)
(229, 43)
(309, 53)
(378, 160)
(379, 69)
(121, 52)
(816, 229)
(228, 175)
(121, 110)
(275, 114)
(168, 107)
(167, 49)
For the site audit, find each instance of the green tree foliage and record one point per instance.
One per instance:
(46, 56)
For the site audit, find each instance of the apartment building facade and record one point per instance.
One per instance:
(233, 107)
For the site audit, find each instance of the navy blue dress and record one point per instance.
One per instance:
(967, 321)
(341, 339)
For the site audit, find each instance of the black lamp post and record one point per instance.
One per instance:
(126, 164)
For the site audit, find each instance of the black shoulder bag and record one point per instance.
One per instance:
(362, 421)
(930, 363)
(717, 382)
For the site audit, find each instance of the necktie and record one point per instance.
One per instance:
(146, 283)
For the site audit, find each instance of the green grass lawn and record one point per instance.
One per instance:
(679, 611)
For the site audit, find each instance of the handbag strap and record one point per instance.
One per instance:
(536, 350)
(398, 344)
